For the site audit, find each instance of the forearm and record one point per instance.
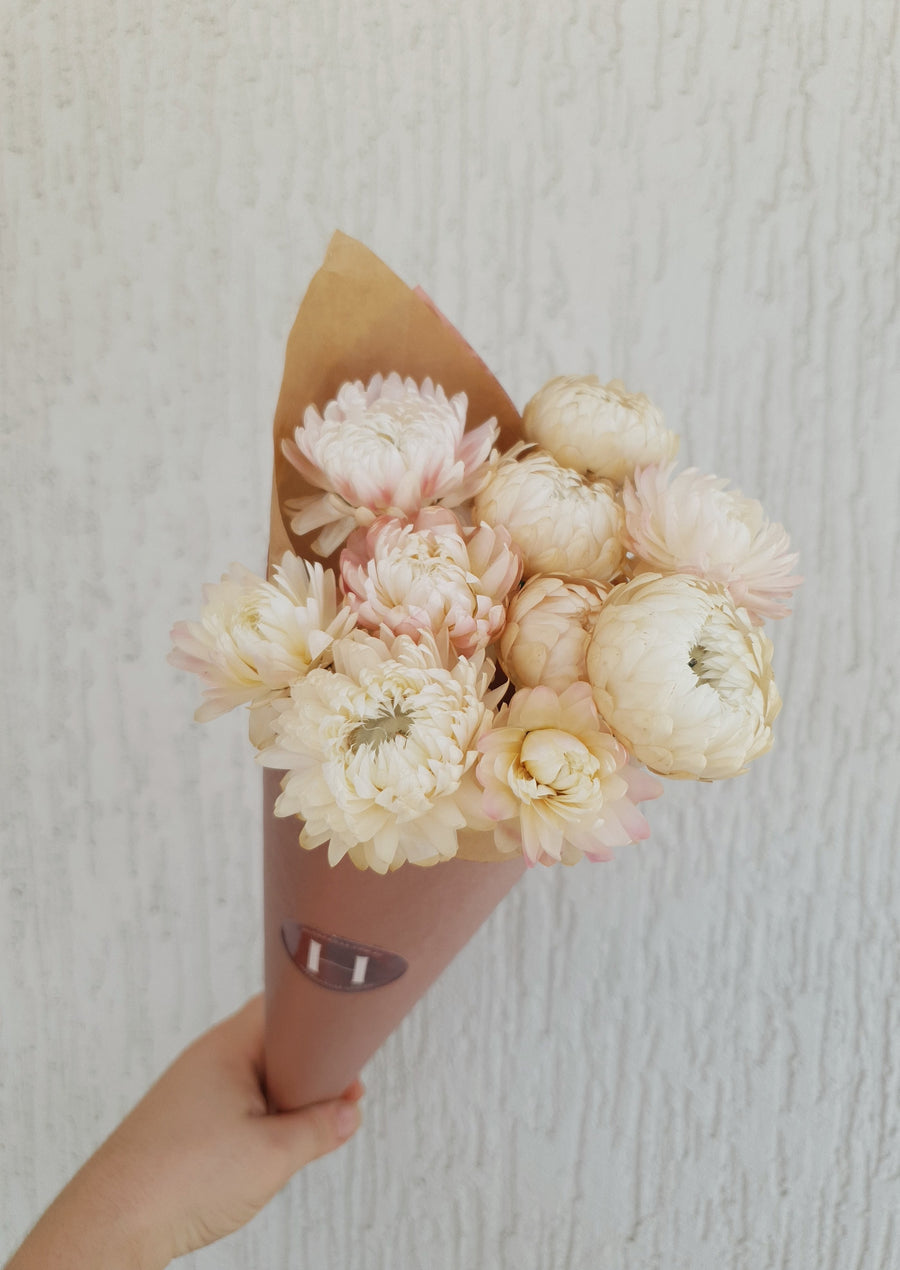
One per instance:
(193, 1161)
(94, 1224)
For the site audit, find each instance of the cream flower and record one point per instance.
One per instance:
(255, 638)
(692, 523)
(556, 779)
(598, 429)
(561, 522)
(548, 626)
(388, 449)
(380, 752)
(429, 574)
(682, 677)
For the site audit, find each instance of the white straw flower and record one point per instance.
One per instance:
(692, 523)
(561, 522)
(388, 449)
(548, 626)
(255, 638)
(598, 429)
(431, 573)
(380, 752)
(556, 780)
(682, 677)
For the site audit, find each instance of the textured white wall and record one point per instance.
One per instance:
(688, 1058)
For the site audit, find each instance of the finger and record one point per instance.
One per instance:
(307, 1134)
(354, 1092)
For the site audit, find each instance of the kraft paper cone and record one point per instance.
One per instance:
(331, 933)
(318, 1038)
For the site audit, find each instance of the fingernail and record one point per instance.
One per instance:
(346, 1121)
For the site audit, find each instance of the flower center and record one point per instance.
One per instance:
(558, 761)
(381, 432)
(389, 429)
(380, 727)
(249, 614)
(697, 660)
(718, 660)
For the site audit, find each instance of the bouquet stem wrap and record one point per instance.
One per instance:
(318, 1038)
(331, 931)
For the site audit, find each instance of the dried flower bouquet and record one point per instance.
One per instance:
(479, 644)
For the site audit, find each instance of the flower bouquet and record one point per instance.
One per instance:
(480, 640)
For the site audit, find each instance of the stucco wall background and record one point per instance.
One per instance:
(687, 1058)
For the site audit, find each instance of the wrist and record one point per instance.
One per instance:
(116, 1182)
(95, 1223)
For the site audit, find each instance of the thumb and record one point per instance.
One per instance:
(306, 1134)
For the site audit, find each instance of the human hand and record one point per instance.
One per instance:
(195, 1160)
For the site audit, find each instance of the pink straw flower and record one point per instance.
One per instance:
(255, 638)
(692, 523)
(431, 573)
(682, 677)
(386, 449)
(379, 753)
(548, 627)
(557, 782)
(561, 522)
(597, 429)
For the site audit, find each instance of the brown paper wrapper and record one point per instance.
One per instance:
(330, 932)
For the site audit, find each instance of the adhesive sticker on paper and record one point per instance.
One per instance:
(337, 963)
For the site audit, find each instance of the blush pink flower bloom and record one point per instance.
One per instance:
(597, 429)
(548, 627)
(693, 524)
(386, 449)
(429, 574)
(557, 782)
(379, 753)
(255, 637)
(682, 676)
(561, 522)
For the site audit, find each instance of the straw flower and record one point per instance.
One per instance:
(386, 449)
(255, 638)
(558, 783)
(598, 429)
(682, 677)
(431, 573)
(561, 522)
(379, 754)
(548, 626)
(692, 523)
